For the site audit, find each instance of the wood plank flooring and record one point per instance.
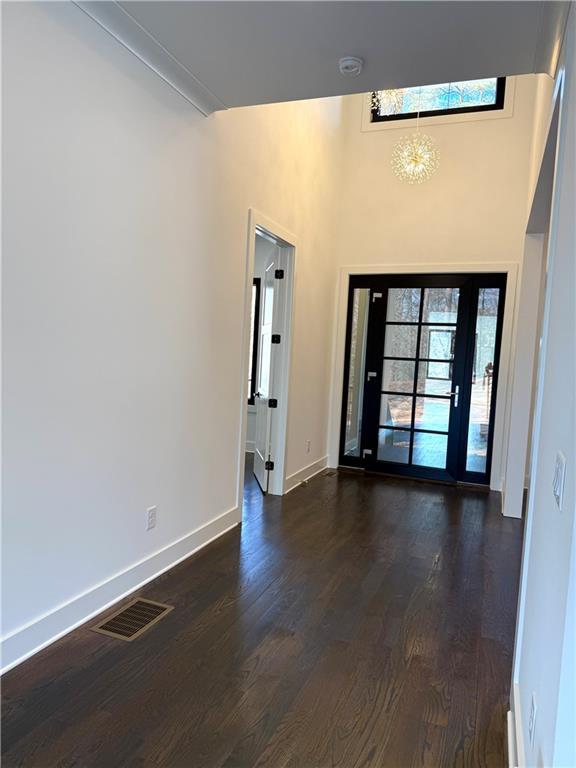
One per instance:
(359, 622)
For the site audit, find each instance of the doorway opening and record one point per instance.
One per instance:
(421, 374)
(271, 256)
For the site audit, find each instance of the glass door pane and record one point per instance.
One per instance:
(440, 305)
(394, 445)
(430, 449)
(403, 305)
(355, 384)
(398, 376)
(482, 379)
(400, 341)
(396, 411)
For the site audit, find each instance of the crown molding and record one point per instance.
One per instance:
(116, 20)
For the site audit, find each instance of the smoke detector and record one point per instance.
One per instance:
(350, 66)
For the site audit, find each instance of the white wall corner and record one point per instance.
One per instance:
(551, 35)
(112, 17)
(25, 641)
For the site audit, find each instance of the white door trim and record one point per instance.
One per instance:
(506, 351)
(258, 221)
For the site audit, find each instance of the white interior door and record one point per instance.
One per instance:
(264, 379)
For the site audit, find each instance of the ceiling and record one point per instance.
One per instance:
(226, 54)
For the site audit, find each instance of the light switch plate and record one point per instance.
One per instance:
(559, 479)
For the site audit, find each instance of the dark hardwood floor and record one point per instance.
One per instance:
(357, 622)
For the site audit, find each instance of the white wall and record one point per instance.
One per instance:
(528, 323)
(125, 230)
(474, 207)
(546, 642)
(545, 87)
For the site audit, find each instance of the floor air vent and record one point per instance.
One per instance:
(131, 621)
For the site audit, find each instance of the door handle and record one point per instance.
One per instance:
(455, 394)
(257, 394)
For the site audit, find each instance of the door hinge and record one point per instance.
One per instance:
(272, 403)
(279, 274)
(269, 465)
(276, 338)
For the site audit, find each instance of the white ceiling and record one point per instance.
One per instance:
(227, 54)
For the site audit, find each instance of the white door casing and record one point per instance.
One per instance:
(286, 243)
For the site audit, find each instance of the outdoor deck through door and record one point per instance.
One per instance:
(421, 372)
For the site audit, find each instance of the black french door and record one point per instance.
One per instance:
(421, 373)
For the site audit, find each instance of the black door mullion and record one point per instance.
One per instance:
(458, 380)
(428, 395)
(416, 369)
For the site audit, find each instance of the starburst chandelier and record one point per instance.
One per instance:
(415, 158)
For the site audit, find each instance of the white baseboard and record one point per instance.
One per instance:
(306, 473)
(25, 641)
(511, 740)
(515, 731)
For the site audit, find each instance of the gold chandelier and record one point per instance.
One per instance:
(415, 158)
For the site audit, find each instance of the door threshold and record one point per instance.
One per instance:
(474, 486)
(391, 476)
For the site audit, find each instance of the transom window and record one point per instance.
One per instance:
(443, 99)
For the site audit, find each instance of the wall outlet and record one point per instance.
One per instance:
(307, 446)
(151, 513)
(532, 721)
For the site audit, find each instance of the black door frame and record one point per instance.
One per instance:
(470, 285)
